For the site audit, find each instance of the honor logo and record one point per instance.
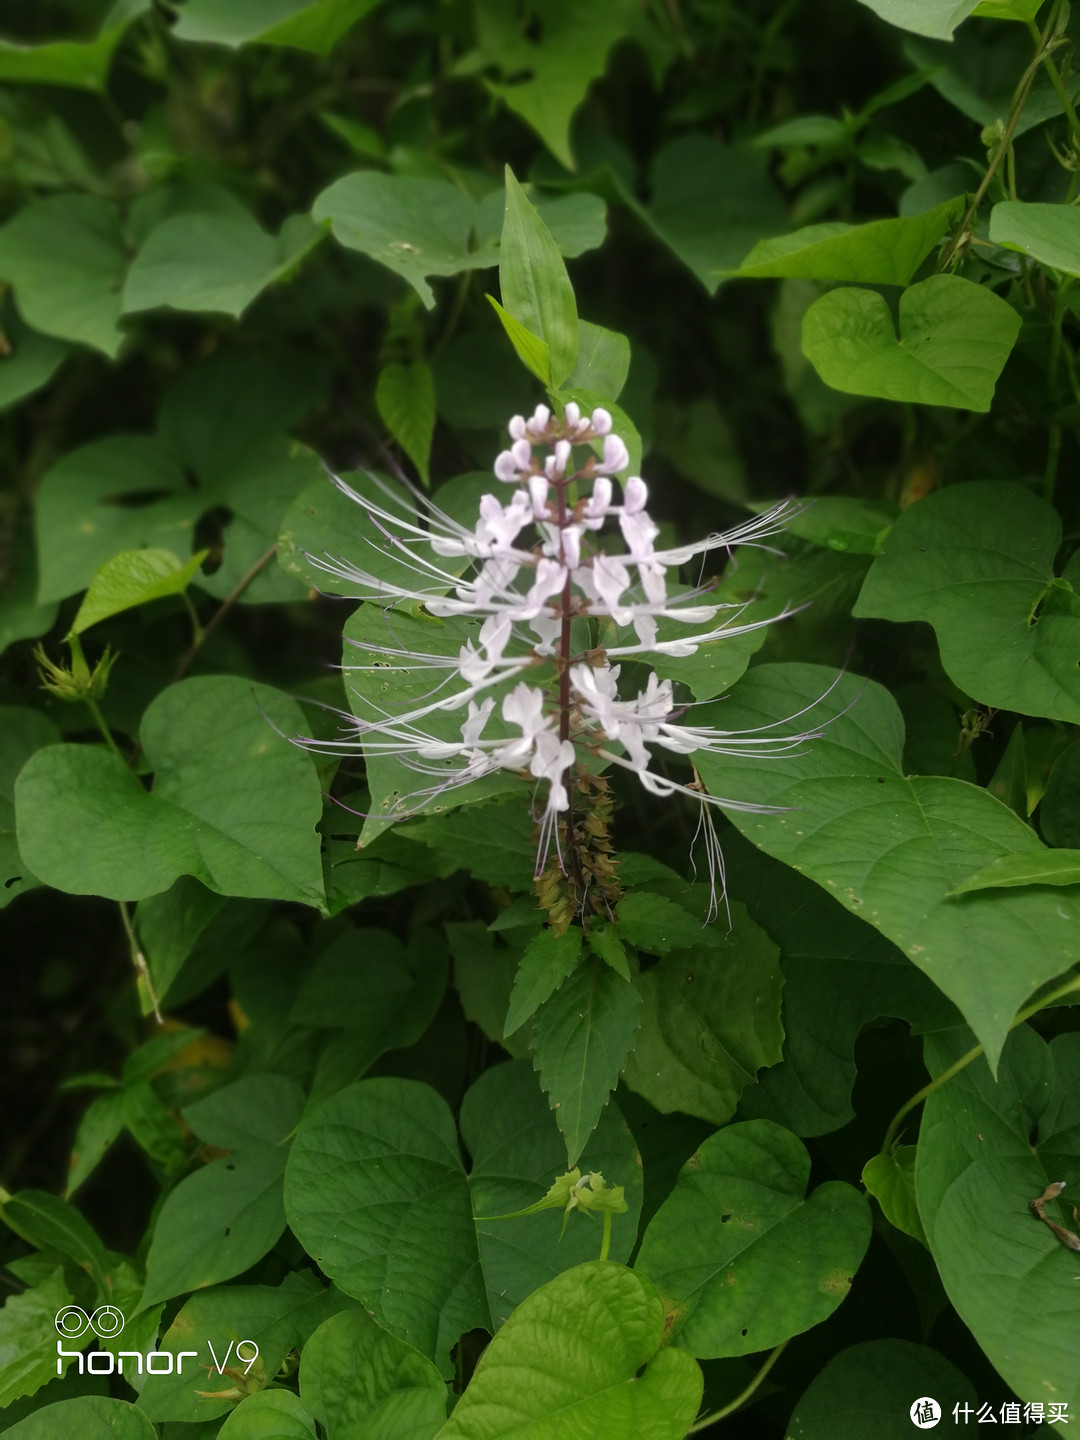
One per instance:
(107, 1322)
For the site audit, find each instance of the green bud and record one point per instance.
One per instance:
(79, 681)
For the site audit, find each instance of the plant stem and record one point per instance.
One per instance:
(223, 609)
(147, 995)
(965, 1060)
(1058, 84)
(605, 1243)
(1002, 148)
(99, 721)
(743, 1395)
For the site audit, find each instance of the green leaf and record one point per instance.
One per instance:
(547, 961)
(29, 363)
(604, 942)
(743, 1257)
(550, 65)
(217, 262)
(233, 804)
(841, 522)
(87, 1417)
(1059, 813)
(568, 1361)
(269, 1415)
(603, 360)
(493, 841)
(131, 578)
(870, 1390)
(955, 337)
(52, 1224)
(889, 848)
(711, 203)
(531, 350)
(891, 1180)
(405, 399)
(277, 1318)
(484, 974)
(373, 1173)
(1050, 234)
(881, 252)
(64, 258)
(1048, 867)
(658, 925)
(987, 1149)
(105, 1117)
(533, 282)
(977, 562)
(314, 25)
(169, 926)
(517, 1151)
(839, 974)
(28, 1356)
(81, 64)
(709, 1022)
(22, 733)
(220, 1220)
(583, 1035)
(421, 226)
(936, 18)
(357, 1379)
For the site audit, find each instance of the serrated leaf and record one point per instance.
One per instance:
(547, 961)
(976, 561)
(743, 1257)
(955, 337)
(709, 1022)
(890, 848)
(533, 282)
(582, 1355)
(659, 925)
(28, 1356)
(229, 802)
(582, 1038)
(405, 399)
(604, 942)
(131, 578)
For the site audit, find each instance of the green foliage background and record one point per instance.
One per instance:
(266, 1083)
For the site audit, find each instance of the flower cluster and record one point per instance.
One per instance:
(536, 682)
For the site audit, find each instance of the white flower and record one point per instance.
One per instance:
(539, 579)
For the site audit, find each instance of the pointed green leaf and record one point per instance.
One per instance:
(28, 1356)
(547, 961)
(134, 577)
(1047, 867)
(955, 337)
(314, 25)
(531, 350)
(582, 1038)
(742, 1255)
(82, 64)
(581, 1356)
(935, 18)
(405, 399)
(533, 282)
(604, 941)
(891, 1181)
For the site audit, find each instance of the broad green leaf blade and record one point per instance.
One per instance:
(358, 1379)
(839, 974)
(659, 925)
(31, 362)
(891, 1181)
(709, 1021)
(81, 64)
(841, 522)
(277, 1318)
(533, 282)
(881, 252)
(955, 337)
(547, 961)
(494, 841)
(568, 1361)
(373, 1173)
(216, 262)
(711, 203)
(582, 1038)
(405, 399)
(169, 926)
(517, 1153)
(742, 1256)
(314, 25)
(935, 18)
(1050, 234)
(977, 562)
(269, 1415)
(604, 941)
(1059, 812)
(22, 732)
(64, 258)
(52, 1224)
(134, 577)
(233, 804)
(28, 1356)
(220, 1220)
(870, 1390)
(986, 1150)
(890, 848)
(603, 360)
(88, 1417)
(1048, 867)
